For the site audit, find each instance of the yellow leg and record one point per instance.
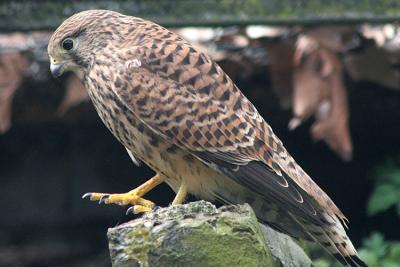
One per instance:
(181, 195)
(133, 197)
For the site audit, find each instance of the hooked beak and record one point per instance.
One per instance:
(57, 69)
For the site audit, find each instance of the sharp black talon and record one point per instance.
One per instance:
(129, 210)
(103, 198)
(86, 195)
(156, 208)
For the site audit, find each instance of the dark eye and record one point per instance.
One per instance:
(68, 44)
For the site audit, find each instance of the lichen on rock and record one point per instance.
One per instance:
(195, 234)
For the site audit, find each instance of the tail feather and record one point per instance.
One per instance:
(330, 234)
(352, 261)
(334, 240)
(358, 261)
(319, 236)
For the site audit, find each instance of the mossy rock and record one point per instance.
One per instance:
(198, 234)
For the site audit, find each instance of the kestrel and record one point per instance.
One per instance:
(175, 109)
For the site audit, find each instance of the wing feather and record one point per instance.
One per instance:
(184, 96)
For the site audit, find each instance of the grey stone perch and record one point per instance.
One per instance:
(198, 234)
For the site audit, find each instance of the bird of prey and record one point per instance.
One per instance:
(175, 109)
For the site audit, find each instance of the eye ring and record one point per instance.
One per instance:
(68, 44)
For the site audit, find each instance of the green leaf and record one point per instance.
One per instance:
(370, 258)
(394, 177)
(321, 263)
(376, 244)
(378, 252)
(389, 263)
(383, 197)
(394, 251)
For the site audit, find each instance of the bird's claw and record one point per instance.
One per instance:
(138, 209)
(130, 198)
(86, 195)
(129, 210)
(104, 198)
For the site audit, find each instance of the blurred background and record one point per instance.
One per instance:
(324, 74)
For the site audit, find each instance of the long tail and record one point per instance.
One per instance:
(334, 240)
(331, 236)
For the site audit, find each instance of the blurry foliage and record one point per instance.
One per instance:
(386, 193)
(376, 251)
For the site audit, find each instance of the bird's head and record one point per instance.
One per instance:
(77, 41)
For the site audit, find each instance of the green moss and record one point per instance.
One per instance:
(223, 240)
(218, 245)
(139, 249)
(34, 15)
(201, 235)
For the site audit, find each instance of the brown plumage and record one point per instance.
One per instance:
(175, 109)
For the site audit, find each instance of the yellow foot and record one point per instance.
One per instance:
(130, 198)
(133, 197)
